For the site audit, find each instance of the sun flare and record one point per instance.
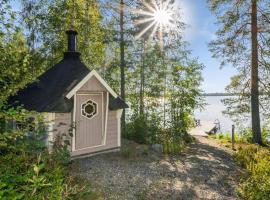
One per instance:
(155, 17)
(162, 17)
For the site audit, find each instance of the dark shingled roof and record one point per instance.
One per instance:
(116, 103)
(48, 92)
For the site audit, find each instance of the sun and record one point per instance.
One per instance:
(155, 16)
(162, 17)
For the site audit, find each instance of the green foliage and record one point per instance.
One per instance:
(60, 153)
(172, 144)
(165, 122)
(256, 160)
(19, 65)
(137, 130)
(126, 152)
(38, 181)
(185, 94)
(227, 137)
(143, 130)
(27, 170)
(14, 61)
(28, 177)
(242, 136)
(56, 16)
(169, 93)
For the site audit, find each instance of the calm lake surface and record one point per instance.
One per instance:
(213, 110)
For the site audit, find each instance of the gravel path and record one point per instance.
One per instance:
(204, 171)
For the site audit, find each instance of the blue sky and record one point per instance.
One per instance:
(202, 31)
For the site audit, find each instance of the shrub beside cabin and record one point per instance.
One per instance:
(69, 94)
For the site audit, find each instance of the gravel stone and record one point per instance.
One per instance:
(205, 170)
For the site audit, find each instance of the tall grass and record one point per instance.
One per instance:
(227, 137)
(242, 136)
(256, 160)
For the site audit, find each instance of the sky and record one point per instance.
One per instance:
(202, 30)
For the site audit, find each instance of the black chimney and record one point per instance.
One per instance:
(71, 52)
(71, 34)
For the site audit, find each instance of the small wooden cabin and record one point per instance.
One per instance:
(69, 94)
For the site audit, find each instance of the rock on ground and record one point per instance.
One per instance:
(204, 171)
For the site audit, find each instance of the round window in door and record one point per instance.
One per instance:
(89, 109)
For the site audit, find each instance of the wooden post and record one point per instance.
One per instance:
(233, 139)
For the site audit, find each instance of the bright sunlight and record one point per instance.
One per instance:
(157, 16)
(162, 17)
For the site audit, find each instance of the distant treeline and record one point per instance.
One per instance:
(219, 94)
(228, 94)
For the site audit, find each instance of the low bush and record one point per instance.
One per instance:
(173, 146)
(142, 130)
(126, 152)
(28, 170)
(256, 160)
(174, 143)
(148, 131)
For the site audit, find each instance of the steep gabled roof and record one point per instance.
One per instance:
(47, 93)
(53, 90)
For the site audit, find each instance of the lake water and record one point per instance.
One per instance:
(213, 110)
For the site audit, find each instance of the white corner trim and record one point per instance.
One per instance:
(119, 113)
(50, 120)
(106, 119)
(118, 116)
(85, 79)
(74, 125)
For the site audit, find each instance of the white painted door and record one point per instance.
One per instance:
(89, 120)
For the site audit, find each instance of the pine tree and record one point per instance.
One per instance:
(242, 35)
(122, 58)
(60, 16)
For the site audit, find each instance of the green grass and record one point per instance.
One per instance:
(254, 185)
(126, 152)
(255, 159)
